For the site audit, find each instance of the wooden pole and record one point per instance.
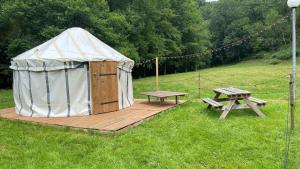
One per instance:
(292, 102)
(157, 80)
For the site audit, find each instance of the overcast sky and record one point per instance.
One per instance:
(210, 0)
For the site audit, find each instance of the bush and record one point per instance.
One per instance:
(274, 61)
(282, 55)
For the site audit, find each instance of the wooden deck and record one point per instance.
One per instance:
(107, 122)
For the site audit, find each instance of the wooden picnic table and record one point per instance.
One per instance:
(234, 96)
(162, 95)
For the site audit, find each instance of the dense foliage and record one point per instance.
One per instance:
(231, 20)
(140, 29)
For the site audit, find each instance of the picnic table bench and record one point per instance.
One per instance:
(162, 95)
(234, 96)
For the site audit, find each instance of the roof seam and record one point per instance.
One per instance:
(76, 45)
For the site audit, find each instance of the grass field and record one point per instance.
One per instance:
(186, 137)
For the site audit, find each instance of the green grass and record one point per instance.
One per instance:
(6, 98)
(186, 137)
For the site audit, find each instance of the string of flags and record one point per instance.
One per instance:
(170, 57)
(144, 62)
(224, 47)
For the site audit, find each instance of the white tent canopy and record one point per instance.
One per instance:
(52, 79)
(74, 44)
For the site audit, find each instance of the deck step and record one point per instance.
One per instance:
(258, 101)
(212, 103)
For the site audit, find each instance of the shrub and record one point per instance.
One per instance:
(274, 61)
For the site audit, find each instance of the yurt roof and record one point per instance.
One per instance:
(72, 45)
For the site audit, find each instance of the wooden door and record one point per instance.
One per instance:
(104, 84)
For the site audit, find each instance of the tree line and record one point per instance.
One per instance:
(231, 20)
(145, 29)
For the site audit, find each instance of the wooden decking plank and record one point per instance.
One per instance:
(117, 119)
(131, 118)
(12, 115)
(112, 121)
(8, 110)
(105, 119)
(85, 121)
(102, 119)
(128, 121)
(68, 121)
(122, 124)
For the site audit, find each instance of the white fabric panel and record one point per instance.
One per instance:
(120, 89)
(125, 89)
(58, 94)
(24, 94)
(74, 44)
(78, 83)
(130, 88)
(39, 94)
(16, 91)
(78, 90)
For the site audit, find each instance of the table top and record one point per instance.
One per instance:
(231, 91)
(163, 94)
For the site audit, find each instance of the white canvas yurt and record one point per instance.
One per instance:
(72, 74)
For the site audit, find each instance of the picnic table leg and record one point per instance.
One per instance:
(216, 97)
(148, 99)
(255, 108)
(227, 109)
(176, 98)
(161, 100)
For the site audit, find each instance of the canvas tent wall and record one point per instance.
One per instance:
(54, 79)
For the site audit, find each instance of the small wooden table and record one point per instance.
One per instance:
(163, 94)
(234, 96)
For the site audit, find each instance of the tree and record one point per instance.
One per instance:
(232, 20)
